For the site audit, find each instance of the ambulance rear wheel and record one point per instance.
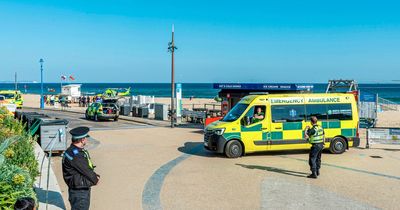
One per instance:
(233, 149)
(338, 145)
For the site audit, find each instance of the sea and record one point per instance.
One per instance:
(197, 90)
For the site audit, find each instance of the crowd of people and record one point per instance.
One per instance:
(83, 101)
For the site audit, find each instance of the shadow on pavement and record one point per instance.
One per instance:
(273, 169)
(54, 198)
(191, 126)
(198, 131)
(282, 152)
(197, 148)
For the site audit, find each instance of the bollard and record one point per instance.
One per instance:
(367, 145)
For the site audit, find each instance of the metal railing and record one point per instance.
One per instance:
(387, 105)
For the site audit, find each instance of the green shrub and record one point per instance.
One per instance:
(18, 165)
(14, 183)
(21, 154)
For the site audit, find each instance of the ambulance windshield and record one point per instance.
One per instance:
(235, 113)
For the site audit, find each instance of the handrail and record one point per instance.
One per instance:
(34, 127)
(387, 104)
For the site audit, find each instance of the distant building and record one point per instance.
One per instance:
(71, 90)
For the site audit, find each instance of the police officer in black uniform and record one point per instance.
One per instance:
(78, 170)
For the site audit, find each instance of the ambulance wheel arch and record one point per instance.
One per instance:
(338, 145)
(234, 148)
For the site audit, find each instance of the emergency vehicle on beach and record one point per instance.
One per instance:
(282, 127)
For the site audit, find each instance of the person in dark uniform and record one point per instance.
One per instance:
(78, 170)
(315, 136)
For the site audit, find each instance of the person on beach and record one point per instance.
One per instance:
(316, 137)
(80, 101)
(84, 101)
(52, 100)
(78, 170)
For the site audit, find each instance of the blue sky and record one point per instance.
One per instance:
(218, 41)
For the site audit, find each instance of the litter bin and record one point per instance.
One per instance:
(125, 110)
(161, 112)
(52, 132)
(53, 135)
(143, 112)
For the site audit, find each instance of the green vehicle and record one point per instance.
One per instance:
(105, 110)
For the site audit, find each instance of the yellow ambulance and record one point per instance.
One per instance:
(13, 97)
(277, 122)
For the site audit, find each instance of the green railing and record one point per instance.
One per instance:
(34, 127)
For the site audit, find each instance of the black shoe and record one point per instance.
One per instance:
(313, 176)
(318, 173)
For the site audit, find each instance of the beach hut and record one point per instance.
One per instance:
(73, 90)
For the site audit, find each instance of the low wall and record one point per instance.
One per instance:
(47, 189)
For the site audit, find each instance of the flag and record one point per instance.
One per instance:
(71, 77)
(63, 77)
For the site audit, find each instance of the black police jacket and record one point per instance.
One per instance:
(77, 170)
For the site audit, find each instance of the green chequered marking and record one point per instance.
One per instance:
(233, 135)
(348, 132)
(331, 124)
(266, 135)
(276, 135)
(292, 126)
(252, 128)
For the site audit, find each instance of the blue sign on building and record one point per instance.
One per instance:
(263, 86)
(367, 96)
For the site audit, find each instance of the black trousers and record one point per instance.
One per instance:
(315, 156)
(79, 199)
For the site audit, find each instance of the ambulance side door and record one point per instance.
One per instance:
(252, 129)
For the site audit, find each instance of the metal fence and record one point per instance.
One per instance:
(387, 105)
(367, 110)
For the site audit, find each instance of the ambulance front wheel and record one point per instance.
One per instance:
(338, 145)
(233, 149)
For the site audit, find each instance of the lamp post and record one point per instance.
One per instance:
(41, 84)
(172, 48)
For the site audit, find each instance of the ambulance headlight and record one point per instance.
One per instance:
(219, 131)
